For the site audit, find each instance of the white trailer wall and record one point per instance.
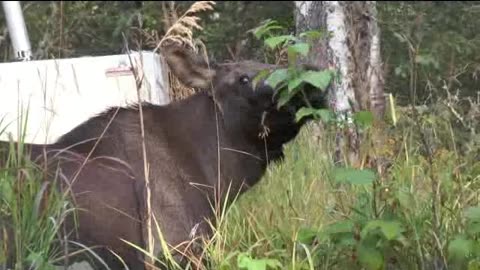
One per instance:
(60, 94)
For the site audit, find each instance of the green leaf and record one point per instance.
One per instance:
(340, 233)
(473, 213)
(406, 199)
(306, 236)
(474, 265)
(354, 176)
(246, 262)
(340, 227)
(265, 28)
(38, 261)
(460, 248)
(273, 42)
(303, 112)
(292, 58)
(319, 79)
(264, 31)
(345, 239)
(285, 97)
(370, 258)
(293, 84)
(8, 194)
(301, 48)
(260, 76)
(277, 77)
(312, 34)
(324, 114)
(364, 118)
(273, 264)
(473, 220)
(473, 227)
(390, 229)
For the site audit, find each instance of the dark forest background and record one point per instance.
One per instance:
(445, 35)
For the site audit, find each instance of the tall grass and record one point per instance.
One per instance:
(300, 217)
(30, 211)
(264, 223)
(33, 208)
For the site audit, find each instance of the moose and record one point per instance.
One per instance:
(205, 148)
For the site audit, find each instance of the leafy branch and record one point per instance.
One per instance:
(289, 81)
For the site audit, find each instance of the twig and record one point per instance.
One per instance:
(144, 153)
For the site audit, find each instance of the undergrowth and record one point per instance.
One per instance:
(303, 216)
(33, 211)
(420, 211)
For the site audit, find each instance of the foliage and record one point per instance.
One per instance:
(290, 81)
(420, 212)
(246, 262)
(78, 28)
(32, 211)
(441, 38)
(308, 214)
(226, 30)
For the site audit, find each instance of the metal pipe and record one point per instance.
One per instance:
(17, 30)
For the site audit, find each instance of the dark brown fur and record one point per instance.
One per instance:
(181, 148)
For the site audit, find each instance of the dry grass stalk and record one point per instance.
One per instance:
(181, 32)
(169, 14)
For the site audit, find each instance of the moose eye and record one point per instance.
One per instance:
(244, 80)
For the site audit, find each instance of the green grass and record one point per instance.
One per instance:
(34, 215)
(265, 220)
(420, 213)
(32, 211)
(416, 216)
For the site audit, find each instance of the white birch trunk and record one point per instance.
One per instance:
(338, 54)
(340, 57)
(353, 50)
(374, 73)
(343, 96)
(334, 54)
(303, 7)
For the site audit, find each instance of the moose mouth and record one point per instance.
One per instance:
(283, 118)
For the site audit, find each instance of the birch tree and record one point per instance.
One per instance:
(352, 48)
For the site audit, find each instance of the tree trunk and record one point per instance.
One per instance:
(353, 50)
(364, 43)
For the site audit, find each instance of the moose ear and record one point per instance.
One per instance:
(188, 67)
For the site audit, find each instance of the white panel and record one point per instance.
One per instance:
(62, 93)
